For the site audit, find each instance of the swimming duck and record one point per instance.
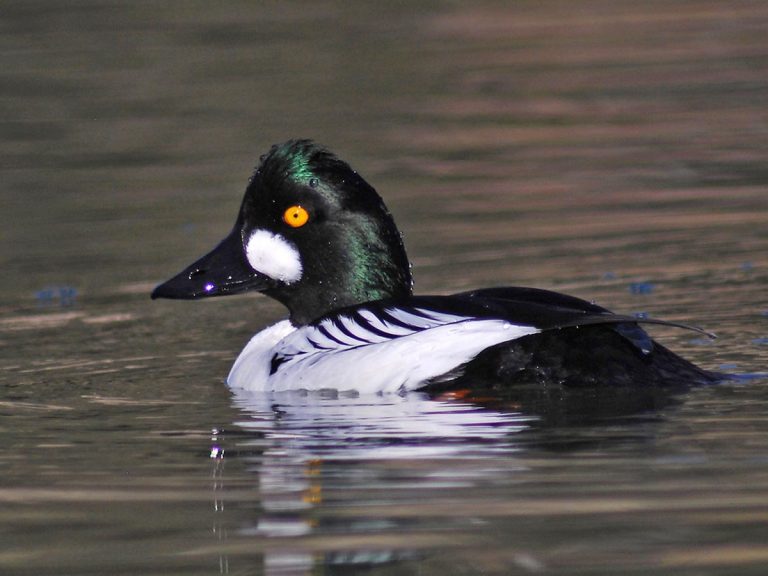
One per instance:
(314, 235)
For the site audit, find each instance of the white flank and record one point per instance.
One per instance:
(390, 365)
(274, 256)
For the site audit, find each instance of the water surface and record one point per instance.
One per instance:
(612, 151)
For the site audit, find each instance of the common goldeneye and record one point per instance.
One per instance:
(314, 235)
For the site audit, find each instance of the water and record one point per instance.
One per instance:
(612, 151)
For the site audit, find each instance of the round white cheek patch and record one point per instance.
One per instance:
(273, 256)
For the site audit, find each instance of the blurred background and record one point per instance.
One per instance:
(614, 150)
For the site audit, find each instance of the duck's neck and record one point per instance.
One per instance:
(369, 264)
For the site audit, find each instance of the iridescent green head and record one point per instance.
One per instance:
(311, 233)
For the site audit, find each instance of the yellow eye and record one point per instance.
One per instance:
(296, 216)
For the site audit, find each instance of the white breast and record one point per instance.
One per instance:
(251, 369)
(372, 356)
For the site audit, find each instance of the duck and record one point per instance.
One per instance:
(312, 234)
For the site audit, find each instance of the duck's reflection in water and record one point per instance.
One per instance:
(331, 467)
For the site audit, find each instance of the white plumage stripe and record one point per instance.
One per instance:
(423, 319)
(440, 317)
(383, 325)
(337, 334)
(358, 333)
(322, 341)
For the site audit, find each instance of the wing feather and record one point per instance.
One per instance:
(436, 333)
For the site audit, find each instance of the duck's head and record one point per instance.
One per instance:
(310, 233)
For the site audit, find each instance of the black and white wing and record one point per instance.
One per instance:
(364, 325)
(383, 347)
(392, 346)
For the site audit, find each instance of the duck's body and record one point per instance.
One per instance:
(314, 235)
(382, 347)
